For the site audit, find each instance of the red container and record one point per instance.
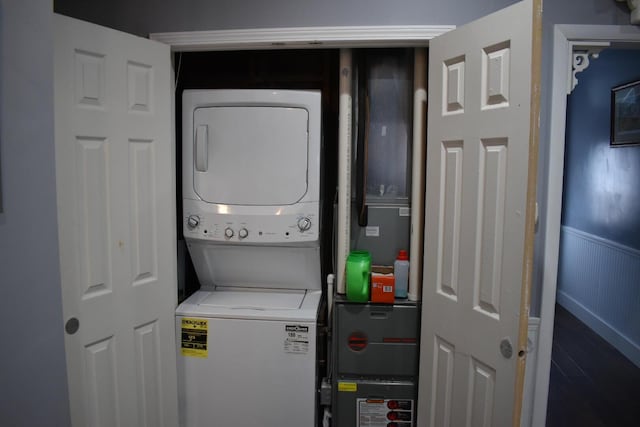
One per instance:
(382, 288)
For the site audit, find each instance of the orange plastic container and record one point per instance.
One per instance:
(382, 288)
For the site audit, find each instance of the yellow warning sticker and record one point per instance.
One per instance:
(194, 337)
(350, 387)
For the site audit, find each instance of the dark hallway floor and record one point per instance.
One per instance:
(591, 383)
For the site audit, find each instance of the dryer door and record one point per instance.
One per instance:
(250, 155)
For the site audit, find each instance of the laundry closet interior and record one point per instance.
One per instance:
(367, 347)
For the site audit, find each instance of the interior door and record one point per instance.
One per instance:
(116, 215)
(478, 219)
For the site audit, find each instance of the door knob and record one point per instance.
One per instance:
(506, 348)
(72, 326)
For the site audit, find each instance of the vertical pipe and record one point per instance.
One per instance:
(418, 172)
(330, 287)
(344, 167)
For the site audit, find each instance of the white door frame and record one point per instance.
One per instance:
(310, 38)
(302, 38)
(566, 40)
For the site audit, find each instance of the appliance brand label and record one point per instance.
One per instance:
(296, 339)
(193, 339)
(357, 341)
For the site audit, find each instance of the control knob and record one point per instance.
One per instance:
(304, 223)
(228, 232)
(193, 221)
(243, 233)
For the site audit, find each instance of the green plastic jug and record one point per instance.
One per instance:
(358, 272)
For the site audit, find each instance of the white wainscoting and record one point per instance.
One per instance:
(530, 372)
(599, 283)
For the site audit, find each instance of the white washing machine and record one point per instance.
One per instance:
(259, 363)
(247, 339)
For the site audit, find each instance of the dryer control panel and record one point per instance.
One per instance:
(223, 223)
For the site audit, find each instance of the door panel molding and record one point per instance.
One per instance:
(482, 138)
(115, 181)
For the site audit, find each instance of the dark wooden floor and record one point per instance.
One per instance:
(591, 383)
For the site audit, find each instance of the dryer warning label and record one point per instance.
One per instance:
(193, 340)
(296, 339)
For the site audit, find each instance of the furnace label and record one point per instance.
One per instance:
(347, 387)
(382, 412)
(194, 337)
(296, 339)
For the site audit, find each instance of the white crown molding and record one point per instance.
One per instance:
(303, 37)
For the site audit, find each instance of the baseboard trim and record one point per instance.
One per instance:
(602, 328)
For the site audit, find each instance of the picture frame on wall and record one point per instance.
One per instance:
(625, 114)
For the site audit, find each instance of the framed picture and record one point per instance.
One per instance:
(625, 114)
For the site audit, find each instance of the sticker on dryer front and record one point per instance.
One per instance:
(193, 337)
(296, 339)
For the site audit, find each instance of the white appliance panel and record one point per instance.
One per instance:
(282, 267)
(292, 104)
(251, 155)
(252, 375)
(241, 303)
(251, 224)
(248, 379)
(253, 300)
(272, 169)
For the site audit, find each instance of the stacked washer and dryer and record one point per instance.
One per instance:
(251, 217)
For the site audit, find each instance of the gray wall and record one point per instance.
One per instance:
(146, 16)
(600, 12)
(33, 385)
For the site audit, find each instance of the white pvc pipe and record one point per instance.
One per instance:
(418, 172)
(330, 280)
(344, 167)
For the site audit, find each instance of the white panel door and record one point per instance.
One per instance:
(116, 215)
(475, 226)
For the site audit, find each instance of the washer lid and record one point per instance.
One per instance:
(258, 304)
(254, 299)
